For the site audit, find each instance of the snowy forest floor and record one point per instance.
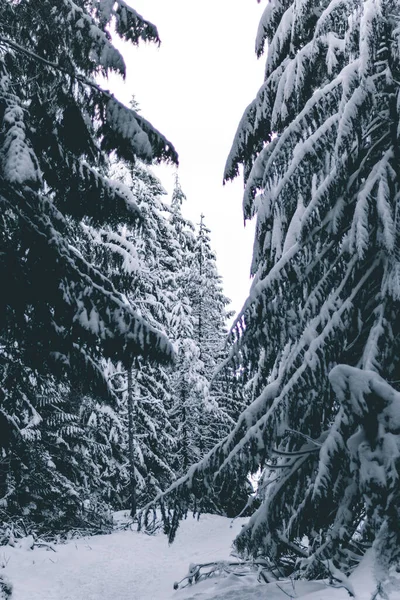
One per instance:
(128, 565)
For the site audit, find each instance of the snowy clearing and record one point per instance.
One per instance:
(135, 566)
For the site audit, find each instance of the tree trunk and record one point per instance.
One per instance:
(131, 434)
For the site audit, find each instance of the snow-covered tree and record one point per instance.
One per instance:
(143, 260)
(198, 329)
(99, 455)
(320, 153)
(210, 313)
(64, 466)
(171, 418)
(56, 124)
(151, 435)
(189, 386)
(60, 315)
(209, 304)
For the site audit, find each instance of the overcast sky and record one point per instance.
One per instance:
(194, 89)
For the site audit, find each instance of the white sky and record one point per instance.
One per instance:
(194, 89)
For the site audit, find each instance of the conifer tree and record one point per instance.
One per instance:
(60, 315)
(51, 53)
(208, 301)
(144, 260)
(155, 295)
(189, 385)
(319, 148)
(66, 466)
(99, 455)
(210, 313)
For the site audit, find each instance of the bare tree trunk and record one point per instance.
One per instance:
(131, 435)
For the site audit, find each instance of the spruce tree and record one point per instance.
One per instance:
(60, 314)
(189, 385)
(208, 300)
(143, 259)
(210, 314)
(51, 54)
(99, 456)
(319, 149)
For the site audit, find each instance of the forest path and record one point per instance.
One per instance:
(134, 566)
(123, 566)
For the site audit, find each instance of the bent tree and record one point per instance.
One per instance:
(319, 148)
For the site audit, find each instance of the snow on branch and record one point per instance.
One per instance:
(331, 18)
(131, 135)
(147, 141)
(271, 16)
(131, 26)
(280, 40)
(250, 432)
(112, 197)
(353, 386)
(18, 162)
(362, 224)
(100, 311)
(107, 56)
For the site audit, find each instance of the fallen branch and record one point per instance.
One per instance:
(203, 571)
(44, 545)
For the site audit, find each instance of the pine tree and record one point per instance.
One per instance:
(155, 293)
(60, 315)
(208, 301)
(189, 385)
(99, 456)
(319, 149)
(210, 313)
(203, 410)
(64, 468)
(146, 258)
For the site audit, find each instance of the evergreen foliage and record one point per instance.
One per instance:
(198, 327)
(61, 314)
(171, 417)
(210, 313)
(208, 301)
(51, 54)
(189, 386)
(152, 258)
(319, 148)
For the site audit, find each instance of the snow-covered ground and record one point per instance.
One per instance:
(134, 566)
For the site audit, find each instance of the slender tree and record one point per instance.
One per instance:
(209, 304)
(188, 382)
(131, 442)
(210, 313)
